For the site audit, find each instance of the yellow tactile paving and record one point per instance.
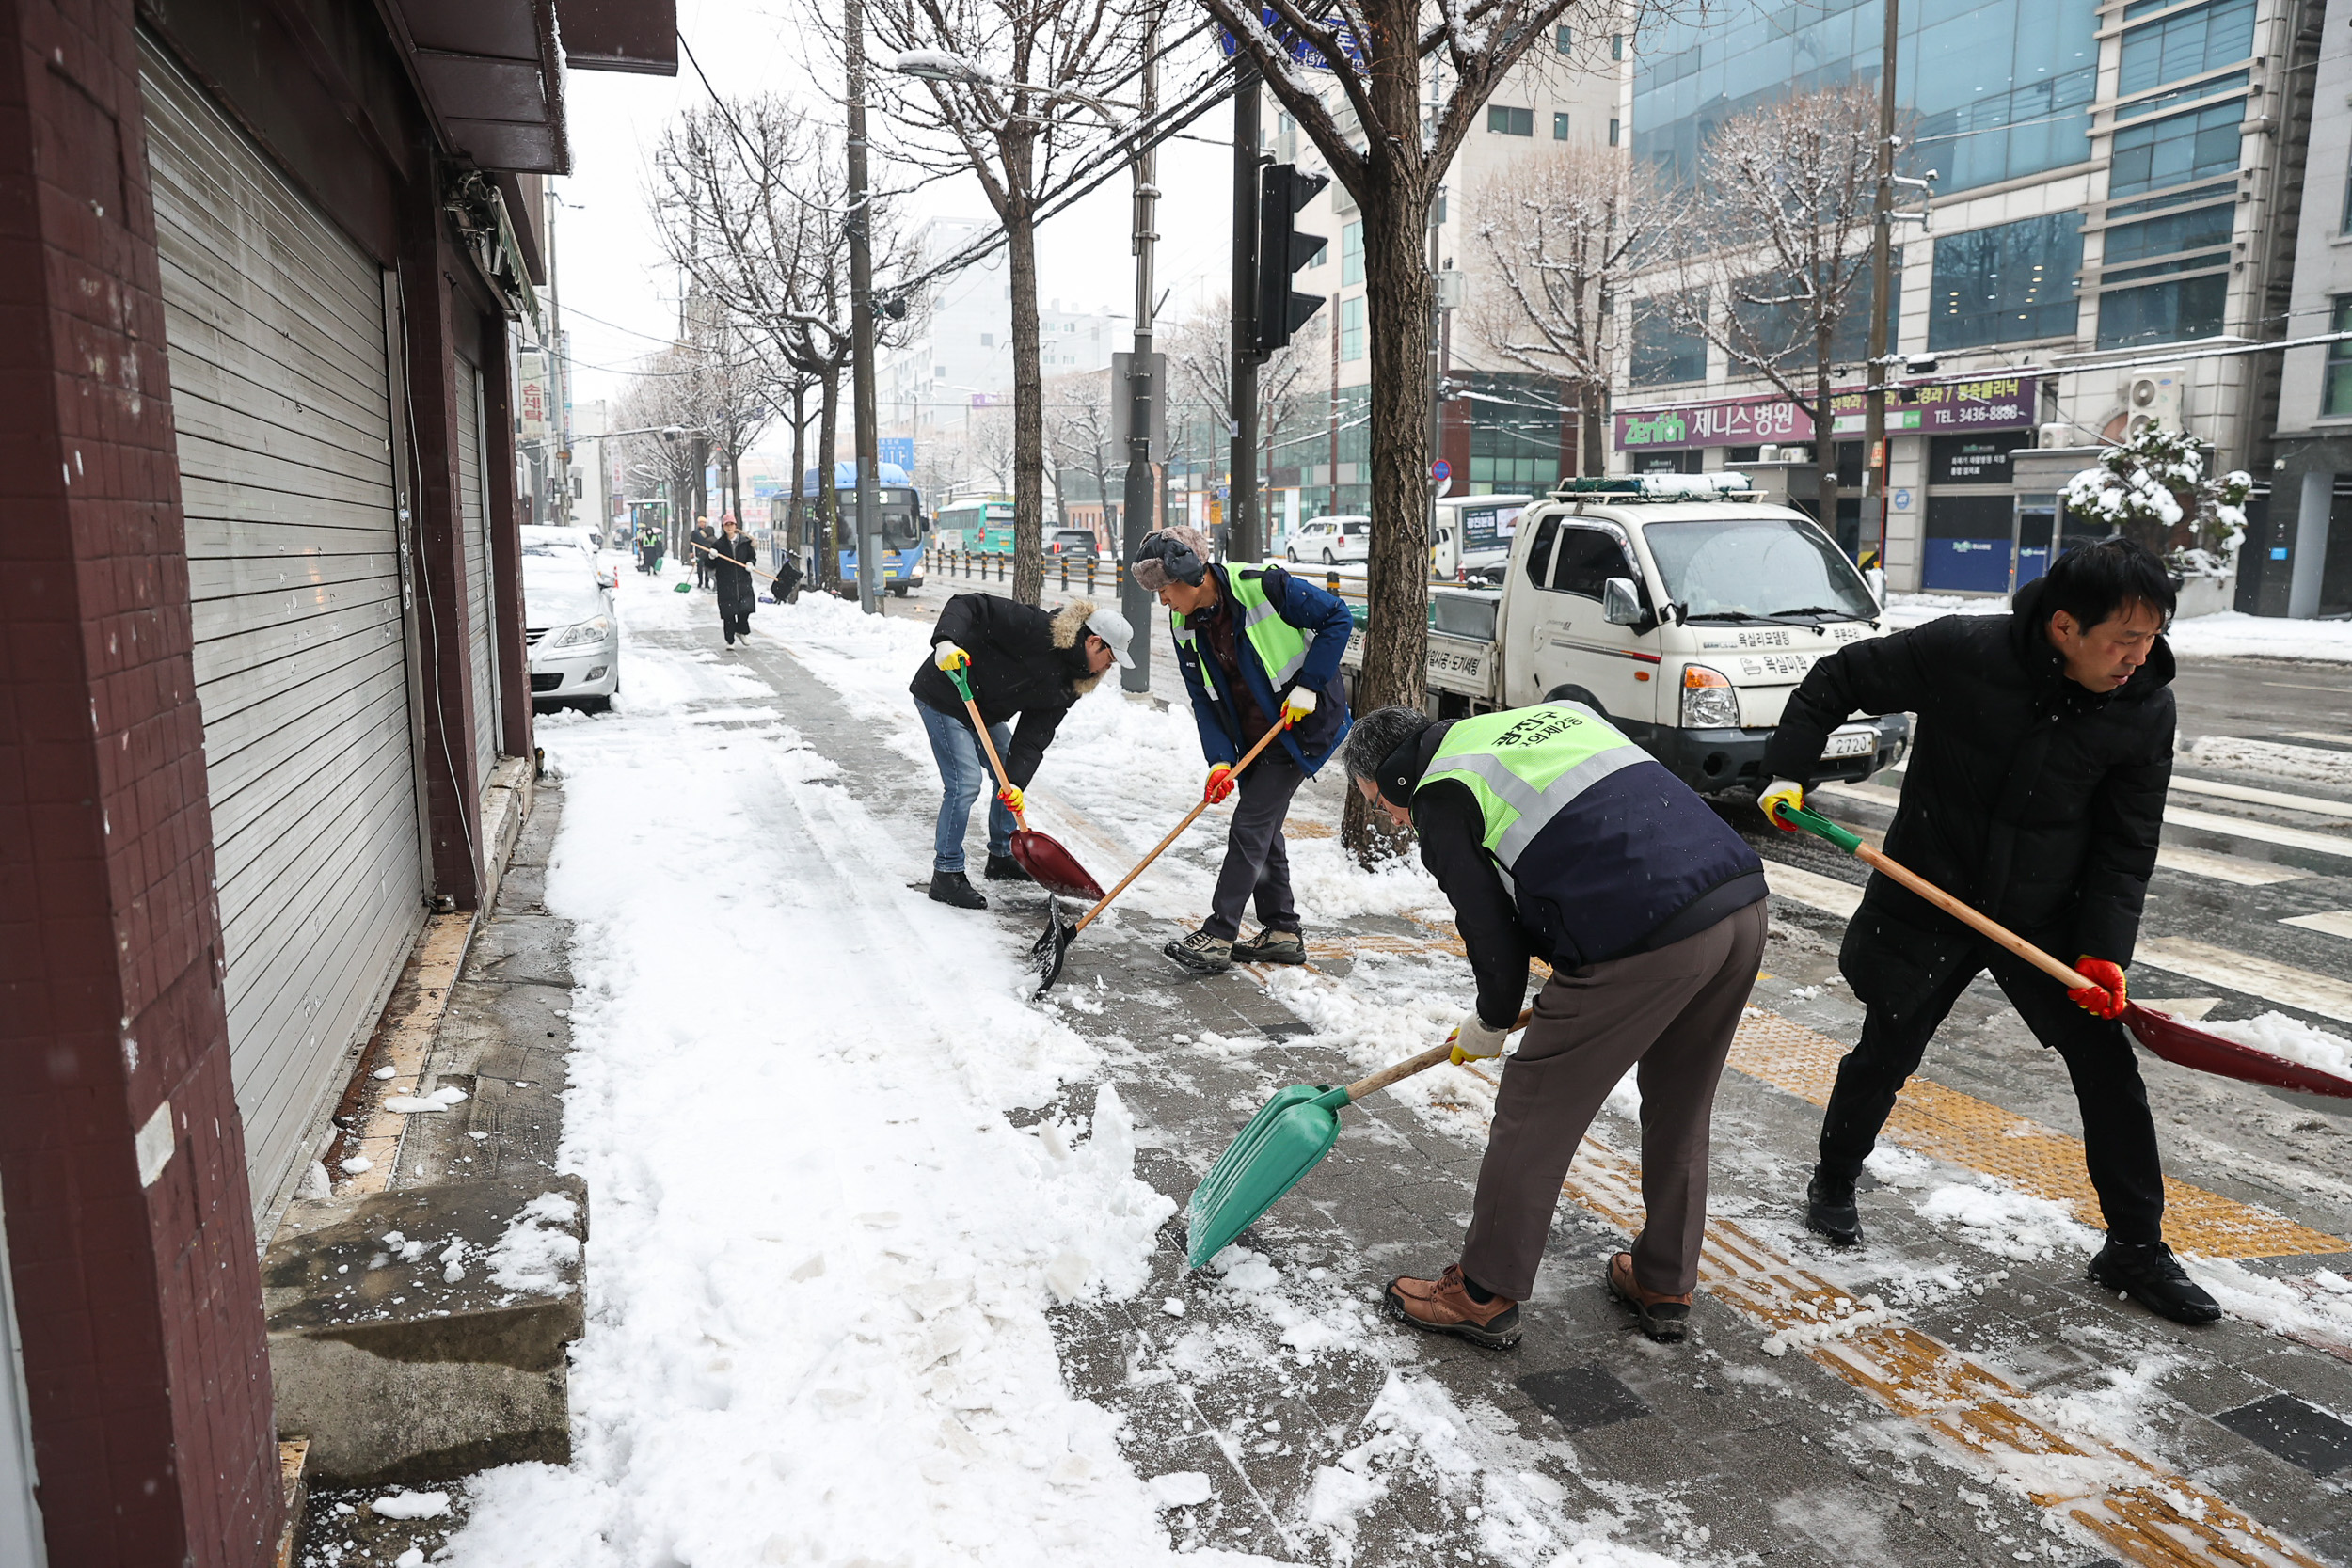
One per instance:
(1946, 1124)
(2145, 1514)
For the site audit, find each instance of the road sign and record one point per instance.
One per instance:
(1441, 470)
(1299, 49)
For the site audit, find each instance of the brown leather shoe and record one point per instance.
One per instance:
(1664, 1318)
(1444, 1305)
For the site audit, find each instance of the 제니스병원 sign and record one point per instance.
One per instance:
(1940, 408)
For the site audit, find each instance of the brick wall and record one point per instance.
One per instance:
(138, 1304)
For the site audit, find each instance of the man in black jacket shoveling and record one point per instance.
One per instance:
(1018, 660)
(2035, 793)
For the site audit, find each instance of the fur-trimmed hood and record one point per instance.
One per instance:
(1070, 624)
(1027, 661)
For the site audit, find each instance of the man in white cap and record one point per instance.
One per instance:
(1018, 660)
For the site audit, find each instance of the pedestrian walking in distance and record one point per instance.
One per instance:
(1555, 837)
(1257, 646)
(736, 598)
(704, 539)
(2036, 791)
(1018, 660)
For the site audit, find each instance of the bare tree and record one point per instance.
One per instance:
(1199, 354)
(1409, 79)
(1774, 270)
(1560, 234)
(1079, 431)
(1028, 109)
(657, 399)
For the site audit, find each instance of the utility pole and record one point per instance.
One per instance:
(1241, 505)
(868, 436)
(1135, 519)
(1874, 457)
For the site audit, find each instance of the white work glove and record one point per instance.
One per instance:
(948, 656)
(1300, 703)
(1473, 1041)
(1780, 792)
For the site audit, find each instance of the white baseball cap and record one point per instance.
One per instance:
(1112, 628)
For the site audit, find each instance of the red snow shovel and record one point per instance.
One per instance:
(1049, 950)
(1051, 867)
(2161, 1033)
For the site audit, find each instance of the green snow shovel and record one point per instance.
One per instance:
(1287, 1139)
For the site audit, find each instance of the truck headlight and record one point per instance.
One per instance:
(583, 633)
(1708, 703)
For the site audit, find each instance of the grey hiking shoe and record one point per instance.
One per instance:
(1202, 953)
(1270, 946)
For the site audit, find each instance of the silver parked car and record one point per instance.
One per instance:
(569, 622)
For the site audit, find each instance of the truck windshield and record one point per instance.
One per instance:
(1756, 568)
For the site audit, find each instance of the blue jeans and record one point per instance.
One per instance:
(963, 772)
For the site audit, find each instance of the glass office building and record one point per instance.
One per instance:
(2068, 226)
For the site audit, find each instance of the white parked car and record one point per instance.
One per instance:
(1331, 540)
(568, 622)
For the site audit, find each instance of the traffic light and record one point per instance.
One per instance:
(1282, 251)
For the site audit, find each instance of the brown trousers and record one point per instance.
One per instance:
(1674, 1012)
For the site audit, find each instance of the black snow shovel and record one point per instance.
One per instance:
(1049, 950)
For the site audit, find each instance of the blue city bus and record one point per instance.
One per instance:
(905, 529)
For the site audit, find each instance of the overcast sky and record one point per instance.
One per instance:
(620, 299)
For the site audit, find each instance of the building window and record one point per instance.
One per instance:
(2169, 312)
(1515, 433)
(2010, 283)
(2187, 43)
(988, 339)
(2336, 397)
(2199, 229)
(2173, 151)
(1663, 354)
(1351, 253)
(938, 372)
(1510, 122)
(1613, 133)
(1616, 46)
(1560, 37)
(1559, 127)
(1352, 329)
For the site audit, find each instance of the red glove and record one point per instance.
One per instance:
(2106, 998)
(1220, 784)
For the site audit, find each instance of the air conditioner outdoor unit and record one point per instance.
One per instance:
(1799, 456)
(2153, 395)
(2050, 436)
(1767, 454)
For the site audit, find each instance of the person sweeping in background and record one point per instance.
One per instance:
(2036, 794)
(700, 543)
(1555, 837)
(726, 560)
(1018, 660)
(1257, 647)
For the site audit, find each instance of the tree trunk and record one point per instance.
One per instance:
(792, 540)
(1593, 430)
(1028, 415)
(1399, 294)
(1824, 438)
(828, 506)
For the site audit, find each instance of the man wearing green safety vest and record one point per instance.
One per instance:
(1258, 647)
(1557, 838)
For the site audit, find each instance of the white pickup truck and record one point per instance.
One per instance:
(1683, 613)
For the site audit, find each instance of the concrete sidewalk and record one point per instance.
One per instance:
(1791, 1427)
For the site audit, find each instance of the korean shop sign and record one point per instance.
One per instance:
(1933, 408)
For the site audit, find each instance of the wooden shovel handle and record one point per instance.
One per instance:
(745, 565)
(2065, 974)
(1174, 834)
(1422, 1063)
(988, 744)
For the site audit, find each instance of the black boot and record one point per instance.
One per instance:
(1004, 868)
(951, 887)
(2151, 1276)
(1828, 1209)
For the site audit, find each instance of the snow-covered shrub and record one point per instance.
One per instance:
(2152, 487)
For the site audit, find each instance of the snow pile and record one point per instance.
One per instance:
(2291, 1037)
(2008, 1223)
(2313, 1310)
(2228, 634)
(538, 1249)
(823, 1258)
(413, 1505)
(1916, 609)
(2310, 764)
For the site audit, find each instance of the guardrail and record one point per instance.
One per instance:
(996, 567)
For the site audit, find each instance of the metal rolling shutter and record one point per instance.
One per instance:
(281, 391)
(475, 516)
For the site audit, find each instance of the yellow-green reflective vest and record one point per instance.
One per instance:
(1528, 764)
(1281, 647)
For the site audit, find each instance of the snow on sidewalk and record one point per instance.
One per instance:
(2226, 634)
(820, 1255)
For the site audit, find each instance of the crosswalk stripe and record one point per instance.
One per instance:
(2333, 922)
(2225, 868)
(1811, 888)
(2329, 736)
(2280, 798)
(2177, 816)
(2256, 978)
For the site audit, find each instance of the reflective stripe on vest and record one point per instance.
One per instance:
(1282, 648)
(1528, 764)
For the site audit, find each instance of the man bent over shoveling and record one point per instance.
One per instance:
(1556, 837)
